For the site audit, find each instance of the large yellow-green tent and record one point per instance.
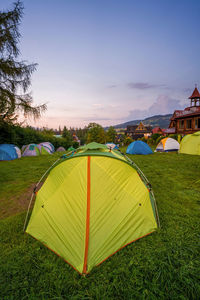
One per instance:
(190, 144)
(91, 205)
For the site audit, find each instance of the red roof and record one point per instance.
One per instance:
(195, 94)
(156, 130)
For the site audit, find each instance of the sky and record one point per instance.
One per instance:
(110, 61)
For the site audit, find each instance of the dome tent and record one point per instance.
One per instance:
(139, 147)
(190, 144)
(85, 212)
(49, 146)
(31, 150)
(71, 148)
(60, 149)
(167, 145)
(8, 152)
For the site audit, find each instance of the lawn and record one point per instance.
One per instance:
(163, 265)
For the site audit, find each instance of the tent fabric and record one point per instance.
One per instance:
(190, 144)
(167, 145)
(31, 150)
(8, 152)
(44, 150)
(90, 206)
(93, 146)
(112, 146)
(60, 149)
(18, 151)
(48, 145)
(139, 147)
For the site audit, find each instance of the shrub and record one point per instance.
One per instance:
(127, 140)
(159, 139)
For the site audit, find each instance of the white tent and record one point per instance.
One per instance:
(167, 145)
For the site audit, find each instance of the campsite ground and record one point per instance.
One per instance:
(164, 265)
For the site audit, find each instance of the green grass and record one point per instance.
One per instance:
(163, 265)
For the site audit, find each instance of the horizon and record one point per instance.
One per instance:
(109, 62)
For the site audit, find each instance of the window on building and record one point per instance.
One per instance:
(197, 123)
(181, 124)
(189, 124)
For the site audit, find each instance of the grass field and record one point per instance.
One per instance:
(163, 265)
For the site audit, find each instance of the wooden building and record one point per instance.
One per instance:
(188, 120)
(138, 131)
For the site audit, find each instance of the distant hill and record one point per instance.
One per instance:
(158, 120)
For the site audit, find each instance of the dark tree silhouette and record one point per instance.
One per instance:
(15, 76)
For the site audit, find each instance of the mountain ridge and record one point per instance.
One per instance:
(154, 121)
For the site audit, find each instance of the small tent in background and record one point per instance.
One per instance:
(139, 147)
(44, 150)
(31, 150)
(112, 146)
(71, 148)
(60, 149)
(168, 145)
(190, 144)
(122, 207)
(8, 152)
(49, 146)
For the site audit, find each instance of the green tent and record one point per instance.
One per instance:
(91, 205)
(190, 144)
(71, 148)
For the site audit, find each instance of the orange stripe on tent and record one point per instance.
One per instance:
(164, 142)
(87, 217)
(123, 247)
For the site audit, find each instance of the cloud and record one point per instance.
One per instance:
(112, 86)
(162, 105)
(143, 85)
(95, 118)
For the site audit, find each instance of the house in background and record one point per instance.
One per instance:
(138, 131)
(188, 120)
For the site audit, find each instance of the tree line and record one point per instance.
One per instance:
(17, 135)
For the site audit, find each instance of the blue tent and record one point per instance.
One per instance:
(139, 147)
(8, 152)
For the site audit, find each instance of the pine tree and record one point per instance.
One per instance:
(67, 135)
(15, 75)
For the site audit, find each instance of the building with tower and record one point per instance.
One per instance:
(188, 120)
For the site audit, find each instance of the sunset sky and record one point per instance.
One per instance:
(110, 61)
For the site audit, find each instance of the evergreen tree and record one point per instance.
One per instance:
(67, 135)
(15, 75)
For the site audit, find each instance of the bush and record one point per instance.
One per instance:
(159, 139)
(75, 145)
(143, 139)
(155, 136)
(127, 140)
(173, 136)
